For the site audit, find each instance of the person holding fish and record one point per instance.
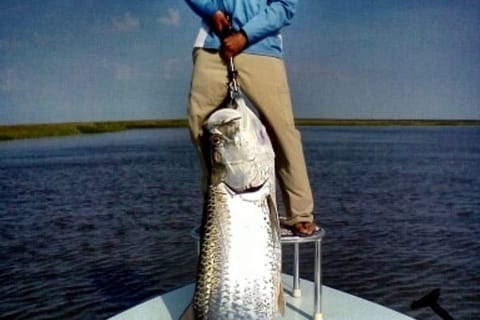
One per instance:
(249, 31)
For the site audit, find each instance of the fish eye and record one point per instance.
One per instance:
(216, 139)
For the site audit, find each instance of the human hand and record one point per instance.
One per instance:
(221, 24)
(233, 45)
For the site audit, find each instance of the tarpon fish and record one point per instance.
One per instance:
(239, 271)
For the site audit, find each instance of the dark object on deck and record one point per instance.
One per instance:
(430, 300)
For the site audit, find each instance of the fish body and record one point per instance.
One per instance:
(239, 269)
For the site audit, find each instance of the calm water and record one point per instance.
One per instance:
(91, 225)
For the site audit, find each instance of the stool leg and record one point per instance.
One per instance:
(318, 281)
(296, 271)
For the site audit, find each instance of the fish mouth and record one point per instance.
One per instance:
(249, 189)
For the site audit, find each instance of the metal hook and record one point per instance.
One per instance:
(234, 90)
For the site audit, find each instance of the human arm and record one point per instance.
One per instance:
(209, 12)
(276, 15)
(268, 21)
(204, 8)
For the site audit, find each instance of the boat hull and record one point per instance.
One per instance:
(337, 305)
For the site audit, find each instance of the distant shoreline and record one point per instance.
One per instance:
(28, 131)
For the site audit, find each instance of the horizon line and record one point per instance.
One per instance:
(41, 130)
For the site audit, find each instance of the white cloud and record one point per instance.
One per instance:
(125, 23)
(171, 19)
(17, 9)
(11, 44)
(127, 72)
(41, 39)
(174, 66)
(9, 80)
(123, 71)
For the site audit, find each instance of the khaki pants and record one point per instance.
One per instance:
(263, 80)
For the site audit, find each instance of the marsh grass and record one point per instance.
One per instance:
(26, 131)
(384, 122)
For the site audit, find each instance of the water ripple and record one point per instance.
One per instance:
(90, 226)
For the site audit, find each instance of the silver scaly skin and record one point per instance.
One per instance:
(238, 275)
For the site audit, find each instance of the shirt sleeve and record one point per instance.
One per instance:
(277, 14)
(204, 8)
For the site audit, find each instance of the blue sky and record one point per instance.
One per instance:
(70, 60)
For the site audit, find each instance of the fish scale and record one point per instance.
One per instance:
(237, 280)
(238, 275)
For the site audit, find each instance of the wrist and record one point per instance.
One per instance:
(245, 36)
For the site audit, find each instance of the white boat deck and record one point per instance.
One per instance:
(336, 305)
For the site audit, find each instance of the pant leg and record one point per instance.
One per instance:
(264, 81)
(209, 87)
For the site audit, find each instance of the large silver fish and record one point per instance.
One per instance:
(239, 271)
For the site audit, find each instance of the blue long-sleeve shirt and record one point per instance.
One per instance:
(260, 20)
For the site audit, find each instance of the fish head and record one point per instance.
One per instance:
(241, 153)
